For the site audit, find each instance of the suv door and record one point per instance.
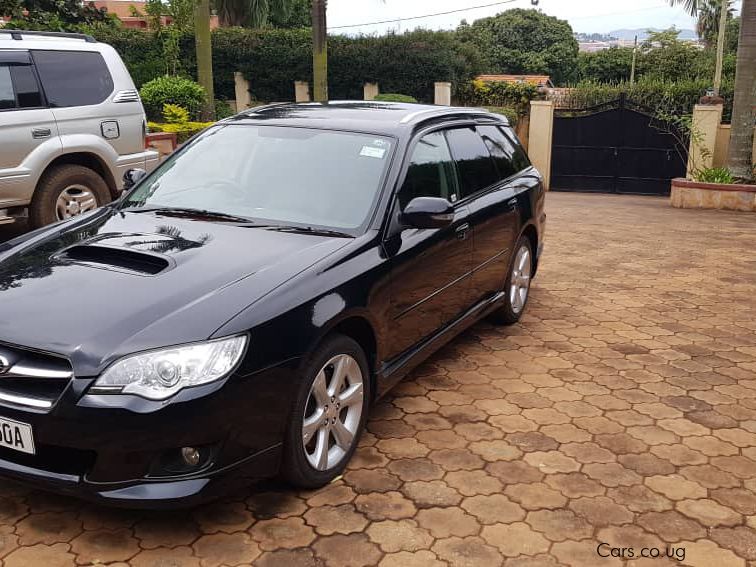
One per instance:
(430, 275)
(82, 106)
(25, 124)
(483, 157)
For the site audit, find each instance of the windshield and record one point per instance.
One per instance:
(272, 174)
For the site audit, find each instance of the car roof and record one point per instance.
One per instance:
(386, 118)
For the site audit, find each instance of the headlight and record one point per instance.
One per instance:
(159, 374)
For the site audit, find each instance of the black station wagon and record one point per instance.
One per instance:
(234, 315)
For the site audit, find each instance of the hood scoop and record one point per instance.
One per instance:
(116, 258)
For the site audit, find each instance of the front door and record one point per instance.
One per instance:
(431, 268)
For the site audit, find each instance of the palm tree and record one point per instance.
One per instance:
(709, 15)
(740, 156)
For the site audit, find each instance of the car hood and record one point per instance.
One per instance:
(118, 282)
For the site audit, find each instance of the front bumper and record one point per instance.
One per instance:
(110, 449)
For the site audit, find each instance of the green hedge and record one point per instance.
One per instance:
(669, 97)
(273, 59)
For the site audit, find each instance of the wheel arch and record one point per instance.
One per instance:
(88, 160)
(531, 233)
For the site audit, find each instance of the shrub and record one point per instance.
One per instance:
(223, 109)
(391, 97)
(510, 113)
(714, 175)
(171, 90)
(174, 114)
(183, 131)
(515, 96)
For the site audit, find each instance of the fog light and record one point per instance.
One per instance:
(191, 456)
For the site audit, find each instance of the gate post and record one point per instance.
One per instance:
(703, 137)
(540, 137)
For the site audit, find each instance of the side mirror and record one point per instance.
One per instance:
(132, 177)
(428, 212)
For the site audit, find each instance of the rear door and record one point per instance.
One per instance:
(430, 277)
(80, 88)
(25, 124)
(483, 157)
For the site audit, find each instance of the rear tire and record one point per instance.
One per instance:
(66, 191)
(328, 415)
(517, 287)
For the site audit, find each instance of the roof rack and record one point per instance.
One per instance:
(18, 35)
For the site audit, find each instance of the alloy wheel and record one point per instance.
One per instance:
(74, 200)
(520, 282)
(333, 412)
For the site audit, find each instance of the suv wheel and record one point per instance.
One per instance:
(517, 287)
(329, 413)
(66, 191)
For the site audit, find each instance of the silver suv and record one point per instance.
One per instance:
(71, 125)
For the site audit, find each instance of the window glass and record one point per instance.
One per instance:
(501, 150)
(519, 158)
(73, 78)
(474, 164)
(27, 89)
(7, 98)
(273, 175)
(431, 171)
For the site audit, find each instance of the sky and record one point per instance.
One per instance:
(588, 16)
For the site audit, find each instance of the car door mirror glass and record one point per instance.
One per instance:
(428, 212)
(132, 177)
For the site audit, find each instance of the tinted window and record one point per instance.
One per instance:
(273, 175)
(7, 98)
(520, 158)
(431, 171)
(474, 164)
(73, 78)
(27, 88)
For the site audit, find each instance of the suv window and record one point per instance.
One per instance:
(474, 164)
(18, 87)
(431, 171)
(73, 78)
(7, 97)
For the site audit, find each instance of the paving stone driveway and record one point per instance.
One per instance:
(622, 410)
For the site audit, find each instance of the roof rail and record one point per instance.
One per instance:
(18, 35)
(429, 113)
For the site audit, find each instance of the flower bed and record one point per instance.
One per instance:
(687, 194)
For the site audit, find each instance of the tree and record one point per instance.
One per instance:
(606, 66)
(709, 15)
(525, 41)
(53, 15)
(319, 51)
(740, 156)
(251, 13)
(204, 49)
(299, 16)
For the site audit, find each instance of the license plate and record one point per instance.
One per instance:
(16, 435)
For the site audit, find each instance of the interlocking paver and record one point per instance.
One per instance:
(622, 408)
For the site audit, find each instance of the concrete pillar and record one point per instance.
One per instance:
(371, 91)
(301, 91)
(241, 90)
(703, 137)
(540, 137)
(443, 94)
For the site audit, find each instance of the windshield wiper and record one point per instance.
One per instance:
(188, 212)
(305, 230)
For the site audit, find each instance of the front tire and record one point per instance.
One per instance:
(66, 191)
(517, 287)
(329, 413)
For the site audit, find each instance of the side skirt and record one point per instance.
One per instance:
(391, 372)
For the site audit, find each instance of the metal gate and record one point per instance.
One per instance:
(615, 147)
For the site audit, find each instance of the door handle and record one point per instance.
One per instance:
(462, 230)
(512, 202)
(41, 133)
